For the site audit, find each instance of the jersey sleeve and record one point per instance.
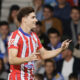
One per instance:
(39, 43)
(13, 41)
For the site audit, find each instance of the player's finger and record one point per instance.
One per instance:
(35, 56)
(70, 41)
(66, 40)
(35, 59)
(36, 53)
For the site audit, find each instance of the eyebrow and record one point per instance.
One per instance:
(33, 16)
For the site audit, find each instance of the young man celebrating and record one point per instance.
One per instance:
(24, 47)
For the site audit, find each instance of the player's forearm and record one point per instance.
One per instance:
(17, 61)
(51, 54)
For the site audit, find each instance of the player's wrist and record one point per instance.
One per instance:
(28, 59)
(61, 49)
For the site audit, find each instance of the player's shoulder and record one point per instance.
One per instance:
(34, 34)
(14, 34)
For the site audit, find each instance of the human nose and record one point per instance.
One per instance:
(36, 20)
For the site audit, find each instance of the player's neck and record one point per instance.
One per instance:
(25, 28)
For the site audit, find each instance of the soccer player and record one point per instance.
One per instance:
(24, 47)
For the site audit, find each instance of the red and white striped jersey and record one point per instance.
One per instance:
(26, 45)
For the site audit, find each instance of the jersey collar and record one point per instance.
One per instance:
(26, 34)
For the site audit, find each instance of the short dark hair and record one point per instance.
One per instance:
(71, 47)
(54, 65)
(14, 7)
(76, 8)
(39, 23)
(53, 31)
(73, 75)
(24, 12)
(49, 7)
(3, 23)
(50, 60)
(39, 76)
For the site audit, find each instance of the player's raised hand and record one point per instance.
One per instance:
(65, 44)
(34, 56)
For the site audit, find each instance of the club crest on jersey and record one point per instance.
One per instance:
(11, 42)
(29, 66)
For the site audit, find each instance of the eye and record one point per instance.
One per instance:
(34, 17)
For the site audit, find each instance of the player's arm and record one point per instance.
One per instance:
(13, 59)
(45, 54)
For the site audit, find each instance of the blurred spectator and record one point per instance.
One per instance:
(77, 48)
(50, 71)
(4, 31)
(75, 23)
(74, 2)
(2, 49)
(51, 2)
(73, 27)
(43, 38)
(62, 11)
(54, 37)
(71, 2)
(38, 77)
(12, 17)
(38, 7)
(49, 21)
(73, 76)
(3, 73)
(69, 64)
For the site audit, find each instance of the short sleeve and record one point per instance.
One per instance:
(13, 41)
(38, 42)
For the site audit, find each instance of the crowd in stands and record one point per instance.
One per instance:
(58, 20)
